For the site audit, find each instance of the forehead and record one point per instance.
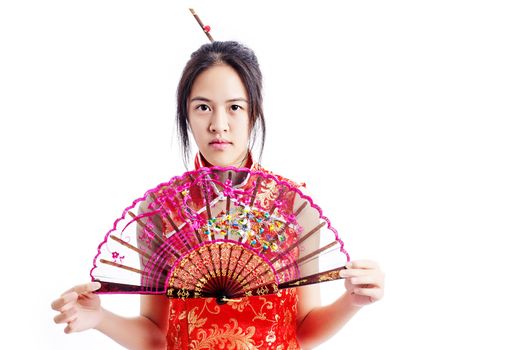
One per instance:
(218, 83)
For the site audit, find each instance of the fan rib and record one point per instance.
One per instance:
(239, 281)
(253, 195)
(216, 273)
(208, 209)
(231, 280)
(331, 275)
(204, 194)
(125, 267)
(219, 274)
(130, 246)
(300, 209)
(228, 202)
(156, 236)
(306, 257)
(302, 239)
(243, 282)
(168, 217)
(188, 246)
(276, 201)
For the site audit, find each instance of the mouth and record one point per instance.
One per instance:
(219, 142)
(219, 145)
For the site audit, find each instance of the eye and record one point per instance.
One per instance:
(203, 108)
(236, 107)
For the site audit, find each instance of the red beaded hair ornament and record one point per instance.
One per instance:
(205, 28)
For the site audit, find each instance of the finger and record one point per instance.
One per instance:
(353, 272)
(374, 293)
(65, 299)
(66, 316)
(371, 280)
(69, 327)
(364, 264)
(85, 288)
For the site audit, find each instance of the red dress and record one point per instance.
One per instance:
(265, 322)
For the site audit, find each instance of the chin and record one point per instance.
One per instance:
(219, 161)
(225, 162)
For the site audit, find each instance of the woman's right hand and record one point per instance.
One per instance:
(79, 307)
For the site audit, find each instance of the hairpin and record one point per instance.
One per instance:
(205, 28)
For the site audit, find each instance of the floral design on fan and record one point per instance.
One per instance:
(254, 226)
(116, 256)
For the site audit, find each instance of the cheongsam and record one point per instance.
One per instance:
(257, 322)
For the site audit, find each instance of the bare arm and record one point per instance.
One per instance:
(322, 322)
(147, 331)
(364, 282)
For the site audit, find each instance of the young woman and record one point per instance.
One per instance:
(220, 105)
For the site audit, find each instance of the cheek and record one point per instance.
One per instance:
(196, 129)
(245, 128)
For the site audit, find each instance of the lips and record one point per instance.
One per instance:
(219, 142)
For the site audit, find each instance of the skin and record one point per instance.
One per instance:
(218, 110)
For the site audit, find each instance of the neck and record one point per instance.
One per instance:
(237, 177)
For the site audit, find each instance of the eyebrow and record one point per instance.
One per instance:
(200, 98)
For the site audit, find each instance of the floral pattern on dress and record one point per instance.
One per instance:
(267, 322)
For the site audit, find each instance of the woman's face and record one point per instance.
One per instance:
(219, 116)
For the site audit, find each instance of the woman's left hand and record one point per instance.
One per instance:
(365, 281)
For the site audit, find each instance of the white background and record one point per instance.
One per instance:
(404, 118)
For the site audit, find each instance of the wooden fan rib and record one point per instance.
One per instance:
(130, 246)
(238, 280)
(324, 276)
(254, 194)
(299, 210)
(299, 241)
(244, 283)
(231, 280)
(274, 206)
(204, 194)
(260, 275)
(183, 278)
(187, 222)
(121, 266)
(156, 268)
(158, 239)
(306, 257)
(168, 217)
(228, 201)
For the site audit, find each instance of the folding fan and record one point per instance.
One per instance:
(219, 232)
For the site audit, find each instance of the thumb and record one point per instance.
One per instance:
(85, 288)
(89, 287)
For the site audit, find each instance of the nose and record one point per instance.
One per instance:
(219, 122)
